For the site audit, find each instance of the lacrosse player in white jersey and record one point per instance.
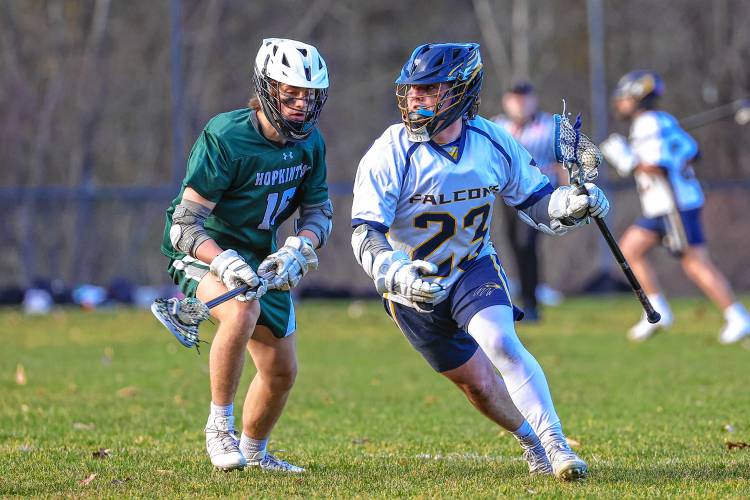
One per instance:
(423, 199)
(659, 154)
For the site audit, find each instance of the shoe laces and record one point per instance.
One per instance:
(223, 429)
(560, 451)
(537, 459)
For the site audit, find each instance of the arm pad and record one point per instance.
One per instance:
(187, 232)
(537, 216)
(367, 243)
(316, 218)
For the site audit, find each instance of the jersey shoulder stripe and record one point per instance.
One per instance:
(487, 132)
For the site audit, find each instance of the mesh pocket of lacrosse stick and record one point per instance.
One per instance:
(181, 317)
(575, 151)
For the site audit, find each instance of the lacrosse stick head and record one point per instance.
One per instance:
(181, 317)
(578, 154)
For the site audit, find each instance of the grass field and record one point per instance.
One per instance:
(367, 416)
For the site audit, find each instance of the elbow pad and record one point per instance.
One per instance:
(316, 218)
(187, 232)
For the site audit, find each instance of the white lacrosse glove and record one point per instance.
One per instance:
(233, 271)
(617, 152)
(569, 209)
(401, 278)
(285, 268)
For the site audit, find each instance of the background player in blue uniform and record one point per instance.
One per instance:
(422, 206)
(660, 155)
(250, 170)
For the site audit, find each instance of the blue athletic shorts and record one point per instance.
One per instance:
(440, 336)
(691, 223)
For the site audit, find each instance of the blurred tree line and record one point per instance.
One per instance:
(100, 101)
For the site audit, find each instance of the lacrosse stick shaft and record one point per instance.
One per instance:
(651, 314)
(226, 296)
(734, 108)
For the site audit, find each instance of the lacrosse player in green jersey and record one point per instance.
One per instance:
(248, 172)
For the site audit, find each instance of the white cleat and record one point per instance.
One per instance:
(566, 465)
(222, 445)
(734, 331)
(537, 459)
(271, 463)
(643, 330)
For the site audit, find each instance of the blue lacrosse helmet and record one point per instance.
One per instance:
(642, 85)
(458, 68)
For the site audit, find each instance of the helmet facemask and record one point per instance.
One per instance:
(274, 99)
(452, 100)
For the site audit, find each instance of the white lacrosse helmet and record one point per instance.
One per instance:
(297, 64)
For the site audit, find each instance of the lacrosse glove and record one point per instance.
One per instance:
(570, 208)
(401, 278)
(285, 268)
(234, 272)
(617, 152)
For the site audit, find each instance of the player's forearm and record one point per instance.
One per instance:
(306, 233)
(207, 251)
(367, 244)
(537, 215)
(315, 219)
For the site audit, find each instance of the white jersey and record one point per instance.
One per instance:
(436, 207)
(657, 139)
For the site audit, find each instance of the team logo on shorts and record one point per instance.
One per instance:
(487, 289)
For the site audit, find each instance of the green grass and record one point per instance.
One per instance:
(367, 416)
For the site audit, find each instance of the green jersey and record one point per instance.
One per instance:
(255, 183)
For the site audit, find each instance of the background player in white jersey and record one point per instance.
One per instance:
(660, 154)
(422, 207)
(534, 130)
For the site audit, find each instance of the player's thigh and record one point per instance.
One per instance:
(273, 356)
(637, 241)
(435, 335)
(232, 310)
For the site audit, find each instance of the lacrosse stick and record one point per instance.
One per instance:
(183, 316)
(581, 159)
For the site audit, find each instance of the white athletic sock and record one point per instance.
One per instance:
(736, 312)
(253, 449)
(494, 331)
(526, 436)
(222, 411)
